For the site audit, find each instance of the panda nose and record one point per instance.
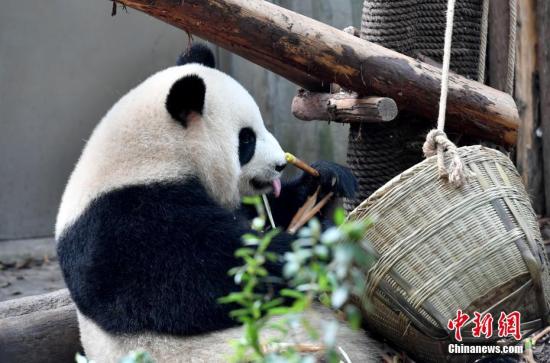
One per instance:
(280, 167)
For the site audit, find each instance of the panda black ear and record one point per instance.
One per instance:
(186, 96)
(198, 53)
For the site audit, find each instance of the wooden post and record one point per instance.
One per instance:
(342, 107)
(499, 20)
(529, 148)
(307, 52)
(543, 23)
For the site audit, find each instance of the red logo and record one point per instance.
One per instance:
(508, 324)
(457, 323)
(483, 324)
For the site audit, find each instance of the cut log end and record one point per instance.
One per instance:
(343, 107)
(387, 108)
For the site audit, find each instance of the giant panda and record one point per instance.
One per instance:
(151, 216)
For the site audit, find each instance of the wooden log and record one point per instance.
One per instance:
(39, 329)
(529, 148)
(311, 54)
(499, 20)
(543, 23)
(342, 107)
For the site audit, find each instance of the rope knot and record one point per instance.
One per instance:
(433, 139)
(438, 144)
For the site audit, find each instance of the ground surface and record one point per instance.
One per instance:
(28, 267)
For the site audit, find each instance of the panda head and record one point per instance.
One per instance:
(223, 123)
(187, 121)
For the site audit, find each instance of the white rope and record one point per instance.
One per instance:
(446, 65)
(437, 142)
(483, 42)
(511, 47)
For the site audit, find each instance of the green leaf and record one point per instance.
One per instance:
(315, 227)
(271, 256)
(279, 310)
(239, 313)
(324, 299)
(81, 359)
(231, 298)
(339, 296)
(304, 232)
(242, 252)
(272, 303)
(137, 357)
(331, 236)
(321, 251)
(339, 216)
(290, 269)
(292, 293)
(353, 316)
(252, 200)
(258, 223)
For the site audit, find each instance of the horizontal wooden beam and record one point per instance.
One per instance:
(342, 107)
(313, 55)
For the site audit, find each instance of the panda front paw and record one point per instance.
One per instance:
(332, 178)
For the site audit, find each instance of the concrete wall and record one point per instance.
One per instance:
(63, 63)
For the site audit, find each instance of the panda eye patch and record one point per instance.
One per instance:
(247, 145)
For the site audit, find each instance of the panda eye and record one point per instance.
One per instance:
(246, 136)
(247, 145)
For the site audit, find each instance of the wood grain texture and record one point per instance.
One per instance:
(543, 24)
(499, 20)
(313, 55)
(342, 107)
(529, 148)
(39, 329)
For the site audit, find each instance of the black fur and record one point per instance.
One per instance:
(247, 145)
(155, 258)
(186, 95)
(198, 53)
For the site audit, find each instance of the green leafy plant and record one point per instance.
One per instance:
(321, 266)
(132, 357)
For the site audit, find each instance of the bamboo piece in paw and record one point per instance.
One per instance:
(311, 213)
(309, 203)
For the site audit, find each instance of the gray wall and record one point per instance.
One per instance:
(63, 63)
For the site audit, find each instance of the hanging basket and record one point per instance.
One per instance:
(476, 248)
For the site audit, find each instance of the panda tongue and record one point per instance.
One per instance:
(276, 187)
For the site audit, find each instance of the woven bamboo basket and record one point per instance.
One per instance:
(439, 249)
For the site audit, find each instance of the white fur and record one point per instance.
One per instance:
(214, 347)
(138, 142)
